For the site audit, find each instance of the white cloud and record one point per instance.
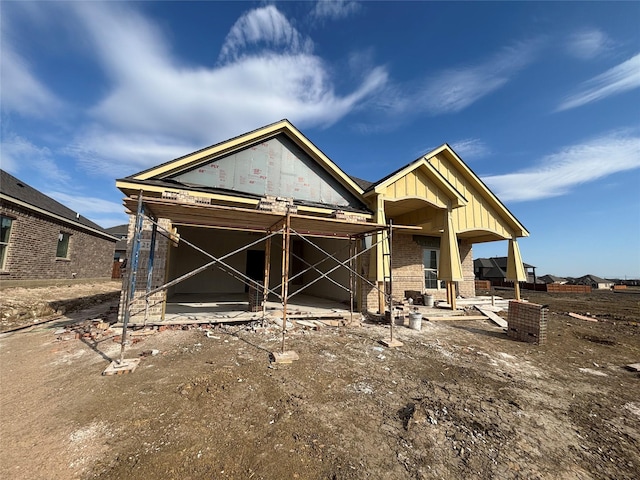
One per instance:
(118, 154)
(619, 79)
(588, 44)
(265, 26)
(558, 173)
(455, 89)
(87, 206)
(21, 91)
(160, 103)
(470, 148)
(335, 9)
(20, 154)
(102, 212)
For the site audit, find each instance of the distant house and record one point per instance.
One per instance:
(552, 279)
(42, 240)
(595, 282)
(120, 232)
(494, 269)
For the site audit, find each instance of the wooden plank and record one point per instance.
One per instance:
(582, 317)
(456, 317)
(305, 323)
(501, 322)
(128, 365)
(142, 333)
(387, 342)
(285, 357)
(330, 323)
(634, 367)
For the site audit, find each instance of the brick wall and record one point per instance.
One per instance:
(408, 272)
(467, 288)
(527, 322)
(156, 302)
(32, 249)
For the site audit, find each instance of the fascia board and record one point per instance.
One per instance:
(214, 150)
(237, 143)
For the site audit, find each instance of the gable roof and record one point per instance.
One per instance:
(592, 279)
(552, 278)
(468, 174)
(18, 192)
(118, 230)
(500, 262)
(204, 155)
(421, 163)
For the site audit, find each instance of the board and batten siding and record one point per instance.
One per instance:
(417, 184)
(478, 214)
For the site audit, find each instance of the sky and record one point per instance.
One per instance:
(540, 99)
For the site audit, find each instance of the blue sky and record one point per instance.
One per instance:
(541, 100)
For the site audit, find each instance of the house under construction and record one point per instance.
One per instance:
(266, 216)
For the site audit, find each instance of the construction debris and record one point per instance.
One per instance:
(183, 196)
(501, 322)
(634, 367)
(348, 216)
(270, 203)
(582, 317)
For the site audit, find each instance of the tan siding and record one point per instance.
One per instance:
(478, 213)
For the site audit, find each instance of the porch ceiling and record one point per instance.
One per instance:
(247, 219)
(395, 208)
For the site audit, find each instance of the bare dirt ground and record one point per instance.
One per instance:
(458, 400)
(21, 306)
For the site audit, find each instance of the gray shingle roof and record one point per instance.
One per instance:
(496, 261)
(16, 189)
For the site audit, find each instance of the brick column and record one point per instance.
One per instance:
(157, 300)
(527, 322)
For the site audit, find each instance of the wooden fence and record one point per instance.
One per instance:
(115, 271)
(538, 287)
(558, 288)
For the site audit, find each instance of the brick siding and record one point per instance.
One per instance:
(467, 288)
(408, 272)
(155, 309)
(31, 253)
(527, 322)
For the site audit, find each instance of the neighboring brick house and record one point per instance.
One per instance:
(439, 206)
(121, 233)
(42, 241)
(594, 281)
(552, 279)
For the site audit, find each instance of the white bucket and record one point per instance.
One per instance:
(415, 321)
(427, 299)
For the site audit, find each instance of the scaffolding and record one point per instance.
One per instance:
(269, 224)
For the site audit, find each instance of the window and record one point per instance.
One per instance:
(63, 245)
(430, 257)
(5, 233)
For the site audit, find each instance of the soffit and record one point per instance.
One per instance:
(236, 218)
